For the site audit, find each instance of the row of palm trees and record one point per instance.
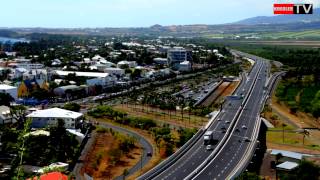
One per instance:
(151, 101)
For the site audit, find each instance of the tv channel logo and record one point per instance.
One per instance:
(292, 8)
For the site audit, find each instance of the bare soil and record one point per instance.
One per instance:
(156, 158)
(104, 170)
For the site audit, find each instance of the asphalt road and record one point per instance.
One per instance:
(226, 161)
(198, 153)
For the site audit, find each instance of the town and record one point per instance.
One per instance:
(159, 90)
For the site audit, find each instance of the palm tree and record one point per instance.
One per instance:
(304, 133)
(283, 126)
(125, 173)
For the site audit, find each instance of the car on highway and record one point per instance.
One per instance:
(227, 122)
(246, 139)
(209, 147)
(244, 127)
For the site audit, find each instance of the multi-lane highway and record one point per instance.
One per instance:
(243, 137)
(235, 122)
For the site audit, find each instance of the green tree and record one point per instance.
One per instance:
(62, 145)
(316, 105)
(19, 114)
(40, 94)
(18, 161)
(72, 107)
(136, 73)
(6, 99)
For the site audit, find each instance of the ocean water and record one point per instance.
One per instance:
(12, 40)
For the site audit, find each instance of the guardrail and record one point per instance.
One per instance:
(173, 158)
(208, 94)
(228, 133)
(249, 152)
(177, 155)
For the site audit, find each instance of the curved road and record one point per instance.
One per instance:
(147, 147)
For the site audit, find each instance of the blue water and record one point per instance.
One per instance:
(12, 40)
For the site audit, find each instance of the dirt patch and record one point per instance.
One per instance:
(98, 163)
(156, 158)
(302, 120)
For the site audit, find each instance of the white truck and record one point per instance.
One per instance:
(208, 138)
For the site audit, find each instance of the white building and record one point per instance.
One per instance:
(56, 62)
(27, 66)
(49, 117)
(5, 115)
(9, 90)
(93, 78)
(40, 75)
(115, 71)
(131, 64)
(102, 66)
(184, 66)
(178, 55)
(17, 73)
(163, 61)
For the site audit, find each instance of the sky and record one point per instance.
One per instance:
(131, 13)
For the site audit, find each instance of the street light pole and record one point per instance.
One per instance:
(141, 160)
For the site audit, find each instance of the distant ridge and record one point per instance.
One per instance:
(282, 19)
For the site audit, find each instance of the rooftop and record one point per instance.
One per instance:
(6, 87)
(287, 165)
(55, 113)
(289, 154)
(82, 74)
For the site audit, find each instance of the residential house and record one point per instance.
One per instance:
(49, 117)
(114, 71)
(161, 61)
(71, 91)
(30, 66)
(9, 90)
(56, 62)
(288, 155)
(39, 75)
(5, 115)
(93, 78)
(17, 73)
(130, 64)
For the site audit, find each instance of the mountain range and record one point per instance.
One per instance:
(255, 25)
(283, 19)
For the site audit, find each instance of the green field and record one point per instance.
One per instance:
(292, 35)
